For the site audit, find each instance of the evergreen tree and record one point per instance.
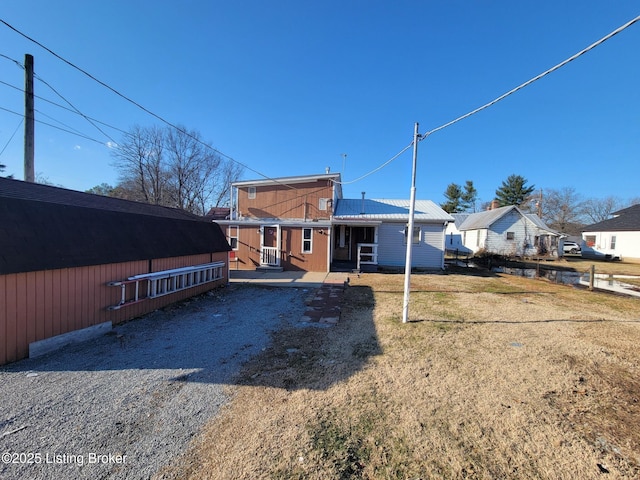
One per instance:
(469, 197)
(453, 194)
(514, 191)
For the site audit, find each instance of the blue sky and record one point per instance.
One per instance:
(288, 87)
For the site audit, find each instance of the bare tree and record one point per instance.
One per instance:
(140, 163)
(563, 210)
(600, 209)
(172, 167)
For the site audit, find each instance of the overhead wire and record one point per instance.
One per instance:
(380, 167)
(138, 105)
(13, 60)
(11, 137)
(501, 97)
(534, 79)
(420, 138)
(74, 108)
(56, 127)
(63, 107)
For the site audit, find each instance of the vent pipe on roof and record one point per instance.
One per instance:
(327, 170)
(362, 209)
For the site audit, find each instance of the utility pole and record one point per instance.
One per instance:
(540, 205)
(412, 209)
(29, 121)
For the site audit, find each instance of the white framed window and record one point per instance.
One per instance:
(233, 237)
(415, 238)
(323, 204)
(307, 240)
(251, 193)
(613, 242)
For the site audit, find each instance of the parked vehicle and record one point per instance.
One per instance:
(571, 247)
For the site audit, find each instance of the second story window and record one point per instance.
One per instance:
(252, 193)
(323, 204)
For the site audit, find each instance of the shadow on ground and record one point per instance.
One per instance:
(210, 338)
(317, 357)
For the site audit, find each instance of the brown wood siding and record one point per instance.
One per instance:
(294, 259)
(247, 255)
(39, 305)
(291, 256)
(280, 201)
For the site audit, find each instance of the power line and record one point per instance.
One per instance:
(162, 119)
(11, 138)
(124, 132)
(536, 78)
(56, 127)
(380, 167)
(12, 60)
(502, 97)
(74, 108)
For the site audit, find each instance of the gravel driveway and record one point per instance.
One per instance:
(126, 404)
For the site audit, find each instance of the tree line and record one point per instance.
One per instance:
(563, 210)
(171, 167)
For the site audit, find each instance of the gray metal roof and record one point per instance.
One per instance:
(389, 210)
(459, 218)
(482, 220)
(485, 219)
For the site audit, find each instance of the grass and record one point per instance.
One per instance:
(494, 377)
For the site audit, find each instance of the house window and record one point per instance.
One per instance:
(307, 245)
(323, 204)
(590, 240)
(613, 242)
(511, 235)
(415, 239)
(233, 237)
(252, 193)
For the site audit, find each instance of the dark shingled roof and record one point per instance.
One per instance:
(627, 220)
(44, 228)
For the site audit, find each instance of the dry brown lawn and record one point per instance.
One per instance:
(494, 377)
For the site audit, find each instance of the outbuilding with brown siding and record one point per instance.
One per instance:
(66, 258)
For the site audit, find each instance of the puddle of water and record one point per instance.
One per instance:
(555, 276)
(601, 281)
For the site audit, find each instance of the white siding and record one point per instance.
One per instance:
(474, 240)
(627, 244)
(524, 233)
(392, 250)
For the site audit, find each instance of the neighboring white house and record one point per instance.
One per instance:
(453, 236)
(378, 229)
(506, 231)
(615, 238)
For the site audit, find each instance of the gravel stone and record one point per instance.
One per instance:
(126, 404)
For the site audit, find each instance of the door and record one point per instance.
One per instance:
(269, 245)
(341, 247)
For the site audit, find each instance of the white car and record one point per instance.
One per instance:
(571, 247)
